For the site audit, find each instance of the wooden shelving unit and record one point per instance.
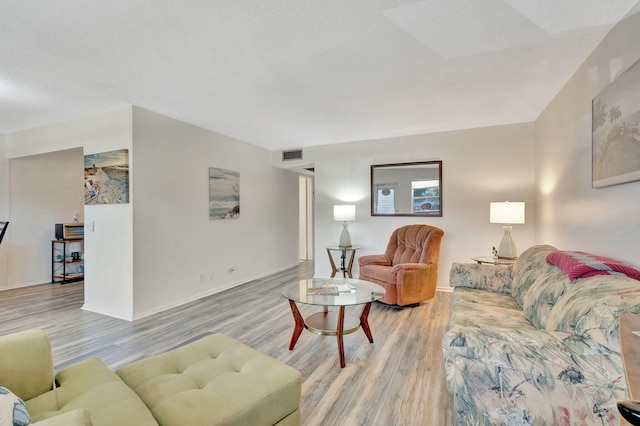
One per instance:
(66, 268)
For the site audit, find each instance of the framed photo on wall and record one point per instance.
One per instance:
(224, 194)
(106, 177)
(615, 131)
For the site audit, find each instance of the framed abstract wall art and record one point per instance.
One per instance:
(615, 132)
(106, 177)
(224, 194)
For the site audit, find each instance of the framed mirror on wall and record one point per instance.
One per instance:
(407, 189)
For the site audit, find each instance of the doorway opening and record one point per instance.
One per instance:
(306, 197)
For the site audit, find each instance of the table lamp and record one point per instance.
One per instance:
(507, 213)
(343, 213)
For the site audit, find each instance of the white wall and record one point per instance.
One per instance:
(45, 190)
(175, 241)
(479, 166)
(108, 250)
(4, 209)
(571, 214)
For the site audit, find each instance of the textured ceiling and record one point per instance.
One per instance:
(294, 73)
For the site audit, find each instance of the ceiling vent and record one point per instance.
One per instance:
(292, 155)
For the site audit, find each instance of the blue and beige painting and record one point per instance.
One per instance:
(224, 194)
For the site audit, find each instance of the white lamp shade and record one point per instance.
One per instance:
(344, 212)
(506, 212)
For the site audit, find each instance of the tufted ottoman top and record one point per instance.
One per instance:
(215, 381)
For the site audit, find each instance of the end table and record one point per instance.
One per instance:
(346, 270)
(490, 260)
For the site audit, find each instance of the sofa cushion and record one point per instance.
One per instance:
(543, 295)
(78, 417)
(473, 309)
(215, 380)
(529, 266)
(486, 395)
(544, 355)
(92, 386)
(496, 278)
(479, 300)
(479, 309)
(591, 307)
(13, 412)
(538, 352)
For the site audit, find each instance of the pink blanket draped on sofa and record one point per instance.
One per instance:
(578, 264)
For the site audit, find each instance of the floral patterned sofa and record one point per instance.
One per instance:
(529, 346)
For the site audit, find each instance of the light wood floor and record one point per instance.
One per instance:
(397, 380)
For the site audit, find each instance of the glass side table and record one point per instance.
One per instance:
(346, 270)
(490, 260)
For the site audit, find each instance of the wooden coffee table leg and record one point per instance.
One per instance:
(340, 336)
(364, 322)
(299, 324)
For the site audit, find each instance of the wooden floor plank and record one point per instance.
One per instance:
(397, 380)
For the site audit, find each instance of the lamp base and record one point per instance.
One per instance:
(345, 238)
(507, 249)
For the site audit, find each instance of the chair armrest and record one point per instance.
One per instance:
(77, 417)
(412, 267)
(415, 282)
(374, 259)
(482, 277)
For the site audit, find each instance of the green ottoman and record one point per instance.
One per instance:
(216, 381)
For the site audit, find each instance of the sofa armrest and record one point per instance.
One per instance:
(482, 277)
(26, 364)
(374, 259)
(77, 417)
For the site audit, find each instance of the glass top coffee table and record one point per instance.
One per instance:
(330, 292)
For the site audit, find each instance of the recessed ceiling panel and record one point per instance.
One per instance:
(455, 28)
(556, 16)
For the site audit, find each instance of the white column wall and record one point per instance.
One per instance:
(175, 242)
(572, 215)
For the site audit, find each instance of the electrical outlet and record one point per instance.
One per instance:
(210, 276)
(201, 278)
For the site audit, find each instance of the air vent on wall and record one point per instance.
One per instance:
(292, 155)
